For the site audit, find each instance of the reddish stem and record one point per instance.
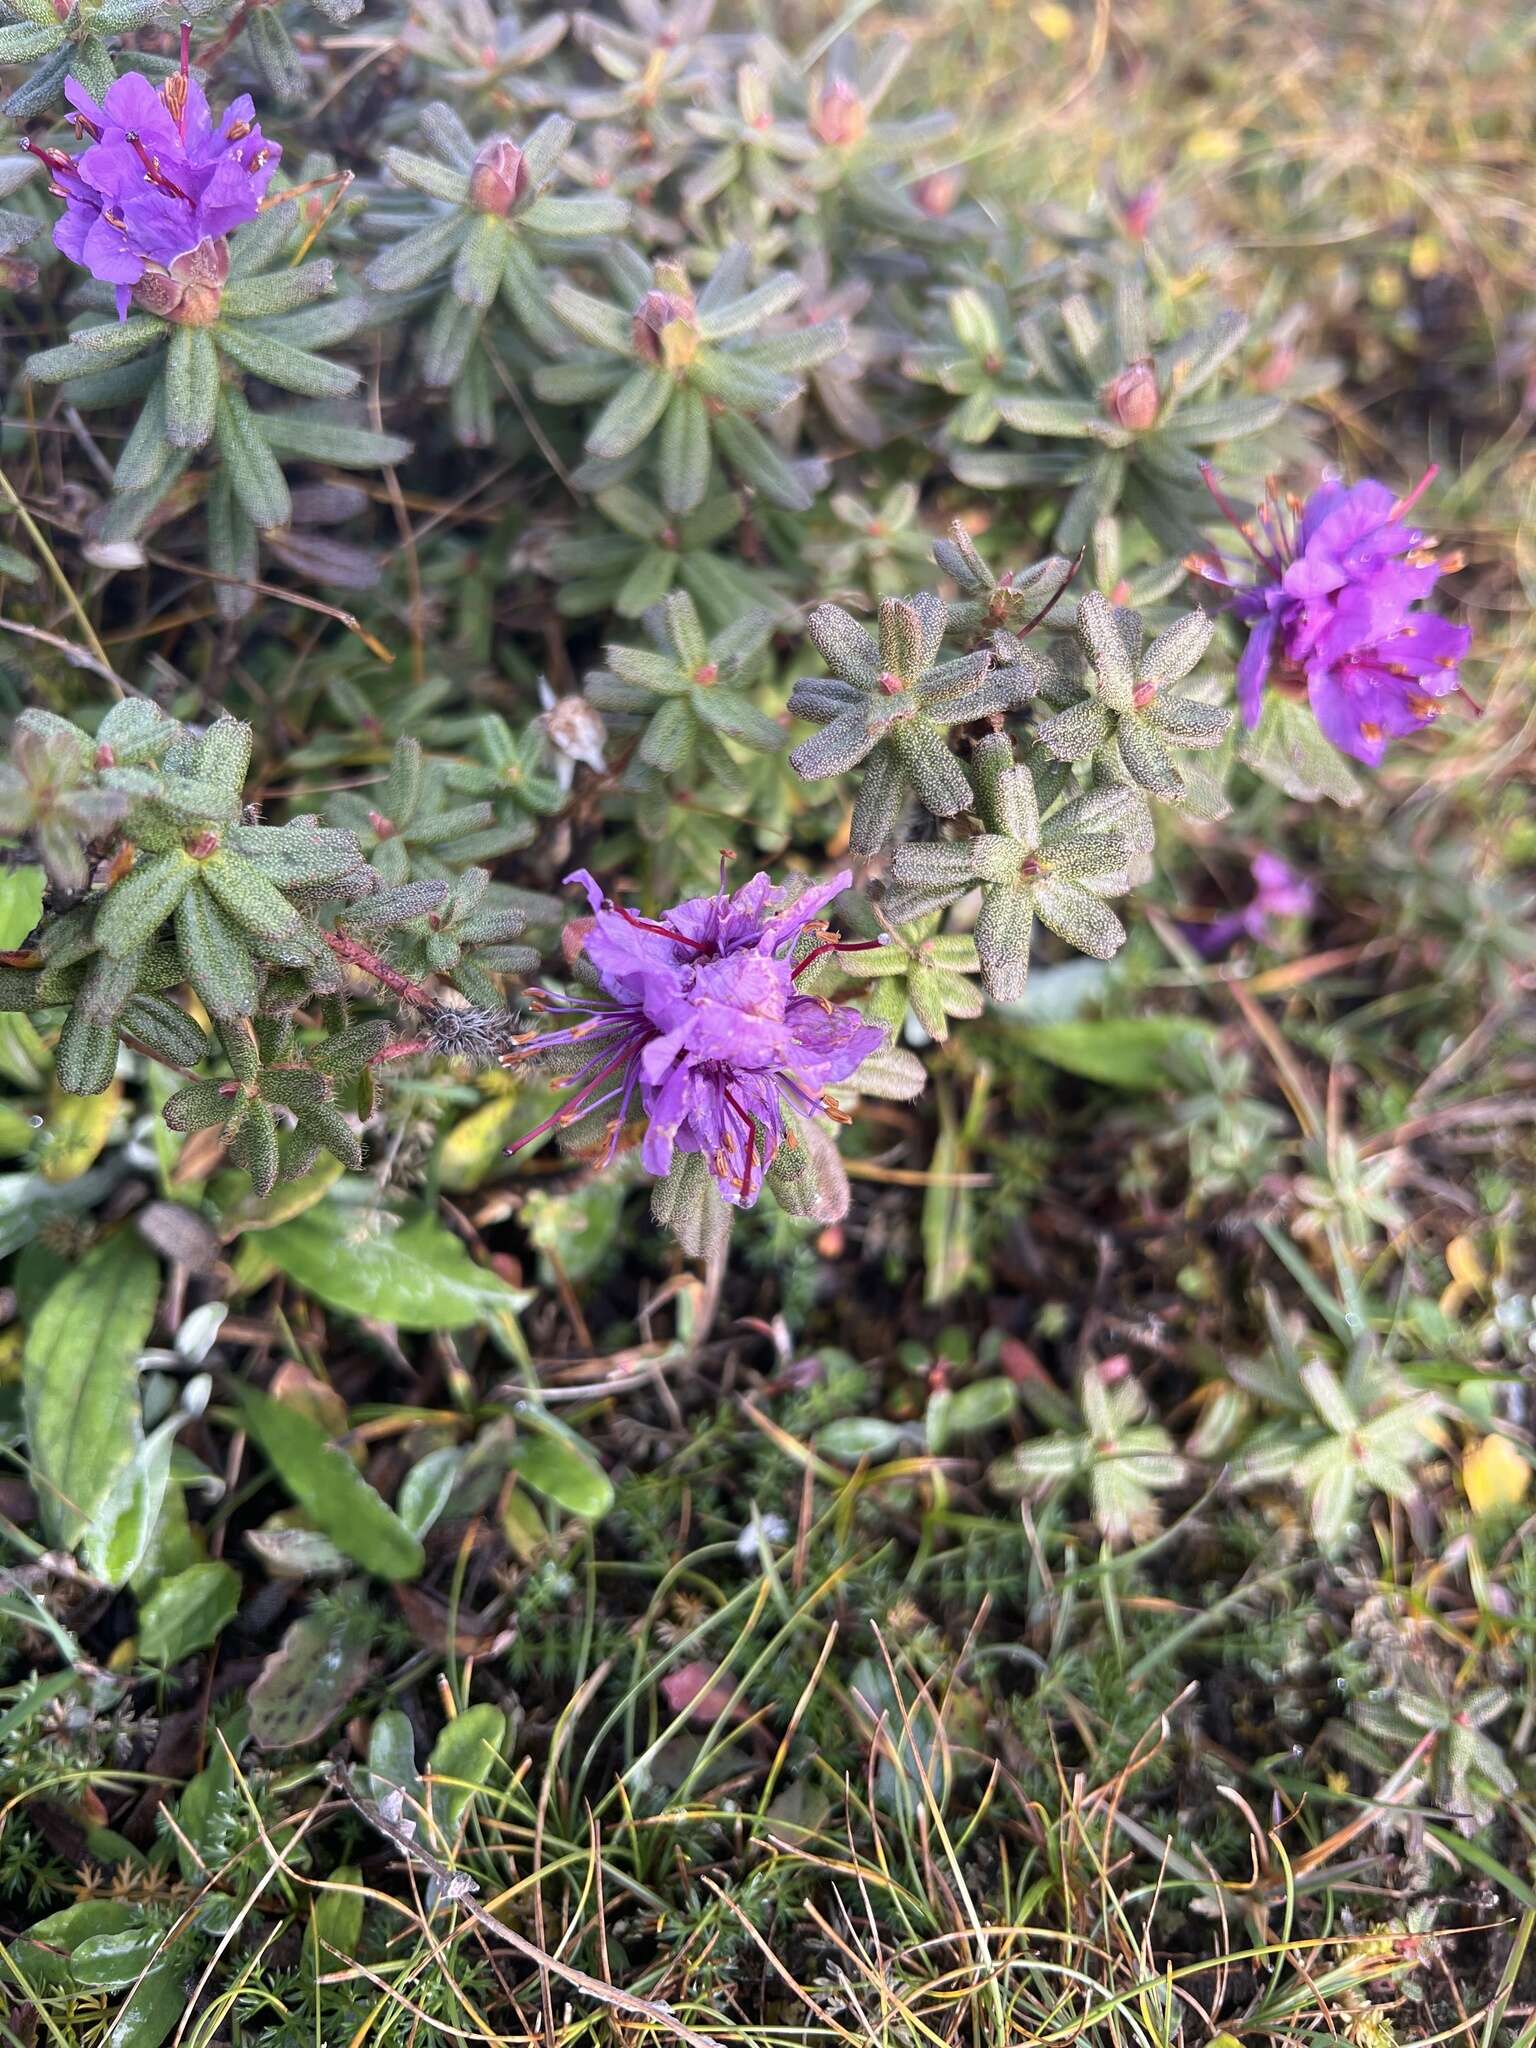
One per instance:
(368, 962)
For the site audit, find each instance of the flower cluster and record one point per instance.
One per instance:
(1336, 603)
(147, 206)
(698, 1020)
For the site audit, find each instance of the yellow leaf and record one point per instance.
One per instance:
(1054, 22)
(1466, 1267)
(1495, 1475)
(75, 1131)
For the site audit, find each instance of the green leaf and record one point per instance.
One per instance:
(191, 387)
(462, 1760)
(122, 1530)
(248, 458)
(217, 960)
(555, 1462)
(1122, 1052)
(21, 905)
(305, 432)
(246, 895)
(856, 1437)
(80, 1381)
(312, 1674)
(137, 906)
(45, 1953)
(1288, 749)
(328, 1486)
(392, 1764)
(94, 348)
(291, 369)
(417, 1276)
(336, 1925)
(186, 1612)
(631, 413)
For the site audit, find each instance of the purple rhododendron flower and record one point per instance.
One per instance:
(1278, 892)
(699, 1024)
(1335, 602)
(158, 183)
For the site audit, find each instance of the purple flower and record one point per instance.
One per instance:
(699, 1024)
(149, 203)
(1278, 892)
(1335, 603)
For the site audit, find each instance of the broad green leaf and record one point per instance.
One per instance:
(392, 1765)
(122, 1530)
(425, 1488)
(336, 1918)
(312, 1674)
(330, 1489)
(44, 1954)
(1122, 1052)
(80, 1381)
(561, 1468)
(463, 1758)
(21, 905)
(416, 1275)
(186, 1612)
(858, 1436)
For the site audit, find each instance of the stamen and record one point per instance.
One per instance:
(837, 946)
(745, 1182)
(1404, 504)
(60, 164)
(1045, 612)
(1244, 527)
(153, 175)
(662, 931)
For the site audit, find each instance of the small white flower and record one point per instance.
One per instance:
(770, 1529)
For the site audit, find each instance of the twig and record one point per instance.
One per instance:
(65, 588)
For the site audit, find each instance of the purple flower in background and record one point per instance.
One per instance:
(149, 203)
(1278, 892)
(1335, 603)
(700, 1025)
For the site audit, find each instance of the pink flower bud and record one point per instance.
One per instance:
(840, 118)
(1132, 398)
(17, 274)
(498, 178)
(936, 194)
(1273, 373)
(1138, 212)
(656, 312)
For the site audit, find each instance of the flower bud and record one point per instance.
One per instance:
(662, 328)
(1274, 371)
(17, 274)
(936, 194)
(188, 290)
(498, 178)
(1138, 211)
(840, 118)
(1132, 398)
